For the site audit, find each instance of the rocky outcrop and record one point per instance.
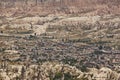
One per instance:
(55, 70)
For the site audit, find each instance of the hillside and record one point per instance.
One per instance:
(62, 7)
(59, 40)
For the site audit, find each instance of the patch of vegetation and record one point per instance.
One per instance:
(85, 40)
(64, 76)
(70, 61)
(58, 76)
(84, 69)
(25, 32)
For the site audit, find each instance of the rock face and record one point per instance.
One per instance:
(56, 71)
(107, 74)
